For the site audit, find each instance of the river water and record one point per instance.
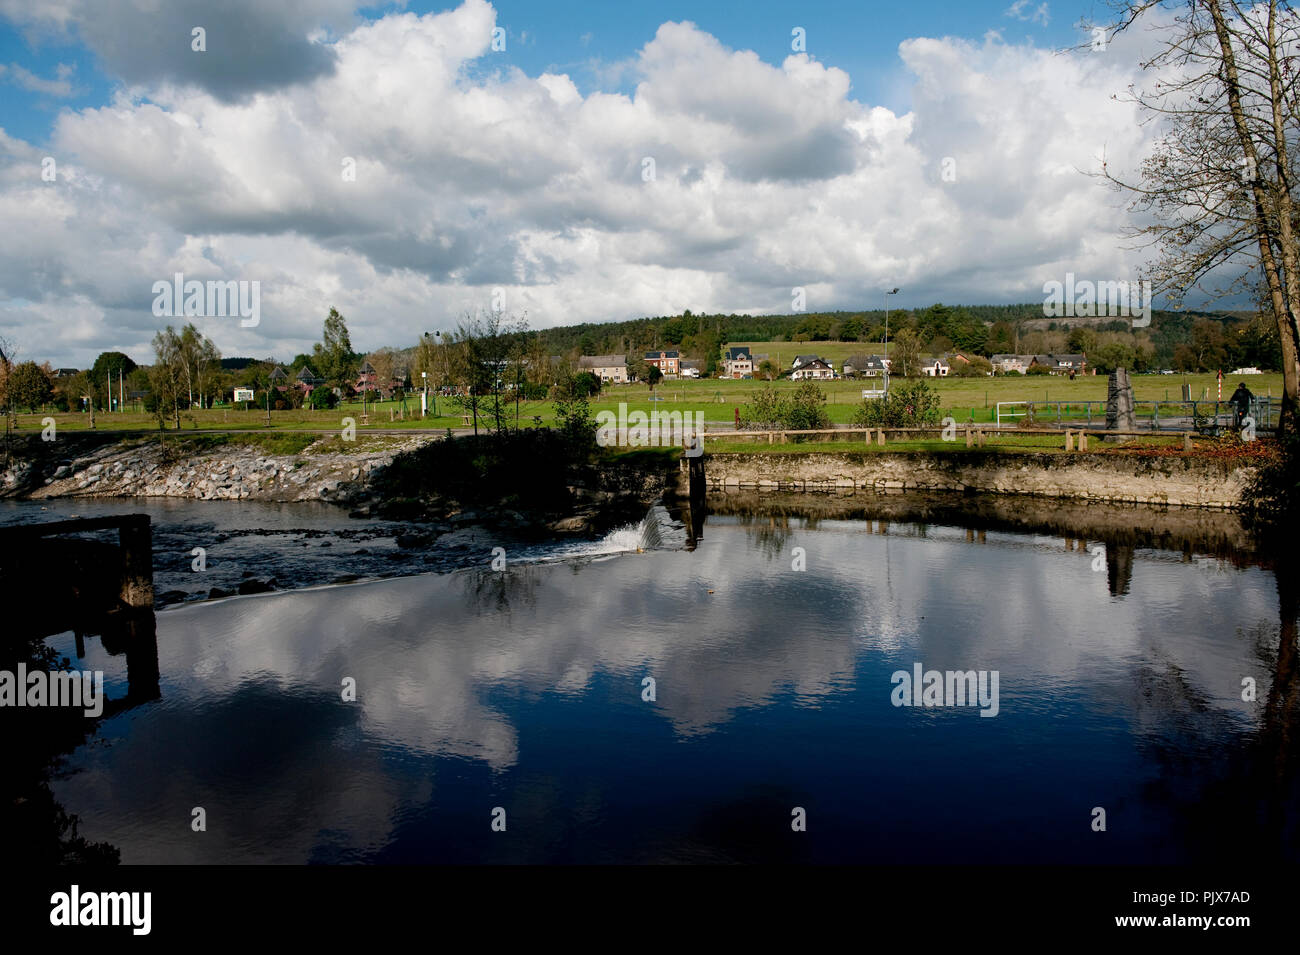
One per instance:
(639, 700)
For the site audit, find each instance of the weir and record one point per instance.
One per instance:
(74, 581)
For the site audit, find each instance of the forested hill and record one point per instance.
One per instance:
(981, 329)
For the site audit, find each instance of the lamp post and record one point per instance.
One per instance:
(885, 297)
(424, 398)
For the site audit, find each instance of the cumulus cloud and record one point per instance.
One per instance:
(471, 175)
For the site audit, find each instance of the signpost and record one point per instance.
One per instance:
(245, 395)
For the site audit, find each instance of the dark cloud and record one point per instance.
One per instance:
(252, 45)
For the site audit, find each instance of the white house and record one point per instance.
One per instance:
(812, 368)
(738, 363)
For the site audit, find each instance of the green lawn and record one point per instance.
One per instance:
(964, 399)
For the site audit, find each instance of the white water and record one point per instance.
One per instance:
(656, 531)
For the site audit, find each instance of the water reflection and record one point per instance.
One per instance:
(524, 688)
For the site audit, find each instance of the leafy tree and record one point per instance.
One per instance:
(1220, 187)
(906, 354)
(30, 385)
(764, 411)
(167, 377)
(1112, 356)
(585, 383)
(573, 417)
(768, 369)
(978, 366)
(104, 372)
(1001, 339)
(1081, 340)
(332, 357)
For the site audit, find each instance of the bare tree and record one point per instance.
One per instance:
(1221, 180)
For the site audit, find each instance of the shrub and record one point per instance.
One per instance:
(322, 399)
(772, 409)
(912, 405)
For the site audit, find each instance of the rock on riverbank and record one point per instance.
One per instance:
(230, 471)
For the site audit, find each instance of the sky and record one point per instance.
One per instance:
(409, 163)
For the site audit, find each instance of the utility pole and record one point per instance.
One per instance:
(887, 363)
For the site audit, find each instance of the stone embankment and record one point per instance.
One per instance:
(1099, 477)
(230, 471)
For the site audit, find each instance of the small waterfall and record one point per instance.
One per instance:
(656, 531)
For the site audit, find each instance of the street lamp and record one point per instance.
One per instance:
(424, 398)
(885, 297)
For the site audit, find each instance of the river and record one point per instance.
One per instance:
(733, 698)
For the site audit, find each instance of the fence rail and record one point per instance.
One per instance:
(1206, 417)
(1071, 439)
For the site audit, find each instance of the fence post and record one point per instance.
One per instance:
(880, 436)
(1069, 440)
(1187, 441)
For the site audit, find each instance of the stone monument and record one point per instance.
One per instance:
(1119, 402)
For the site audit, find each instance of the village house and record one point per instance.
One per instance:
(1064, 364)
(610, 369)
(308, 380)
(1055, 364)
(667, 362)
(738, 363)
(813, 368)
(691, 369)
(933, 367)
(368, 380)
(866, 366)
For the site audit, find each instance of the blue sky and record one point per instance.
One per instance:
(585, 39)
(615, 161)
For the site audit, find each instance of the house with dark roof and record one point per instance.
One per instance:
(279, 378)
(933, 367)
(801, 360)
(307, 380)
(668, 362)
(865, 366)
(738, 363)
(813, 369)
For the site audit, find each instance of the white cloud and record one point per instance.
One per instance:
(1017, 11)
(471, 175)
(61, 86)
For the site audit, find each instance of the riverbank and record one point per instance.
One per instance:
(272, 468)
(1101, 477)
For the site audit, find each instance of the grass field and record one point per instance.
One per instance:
(965, 399)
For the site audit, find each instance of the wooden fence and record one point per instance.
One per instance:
(1071, 439)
